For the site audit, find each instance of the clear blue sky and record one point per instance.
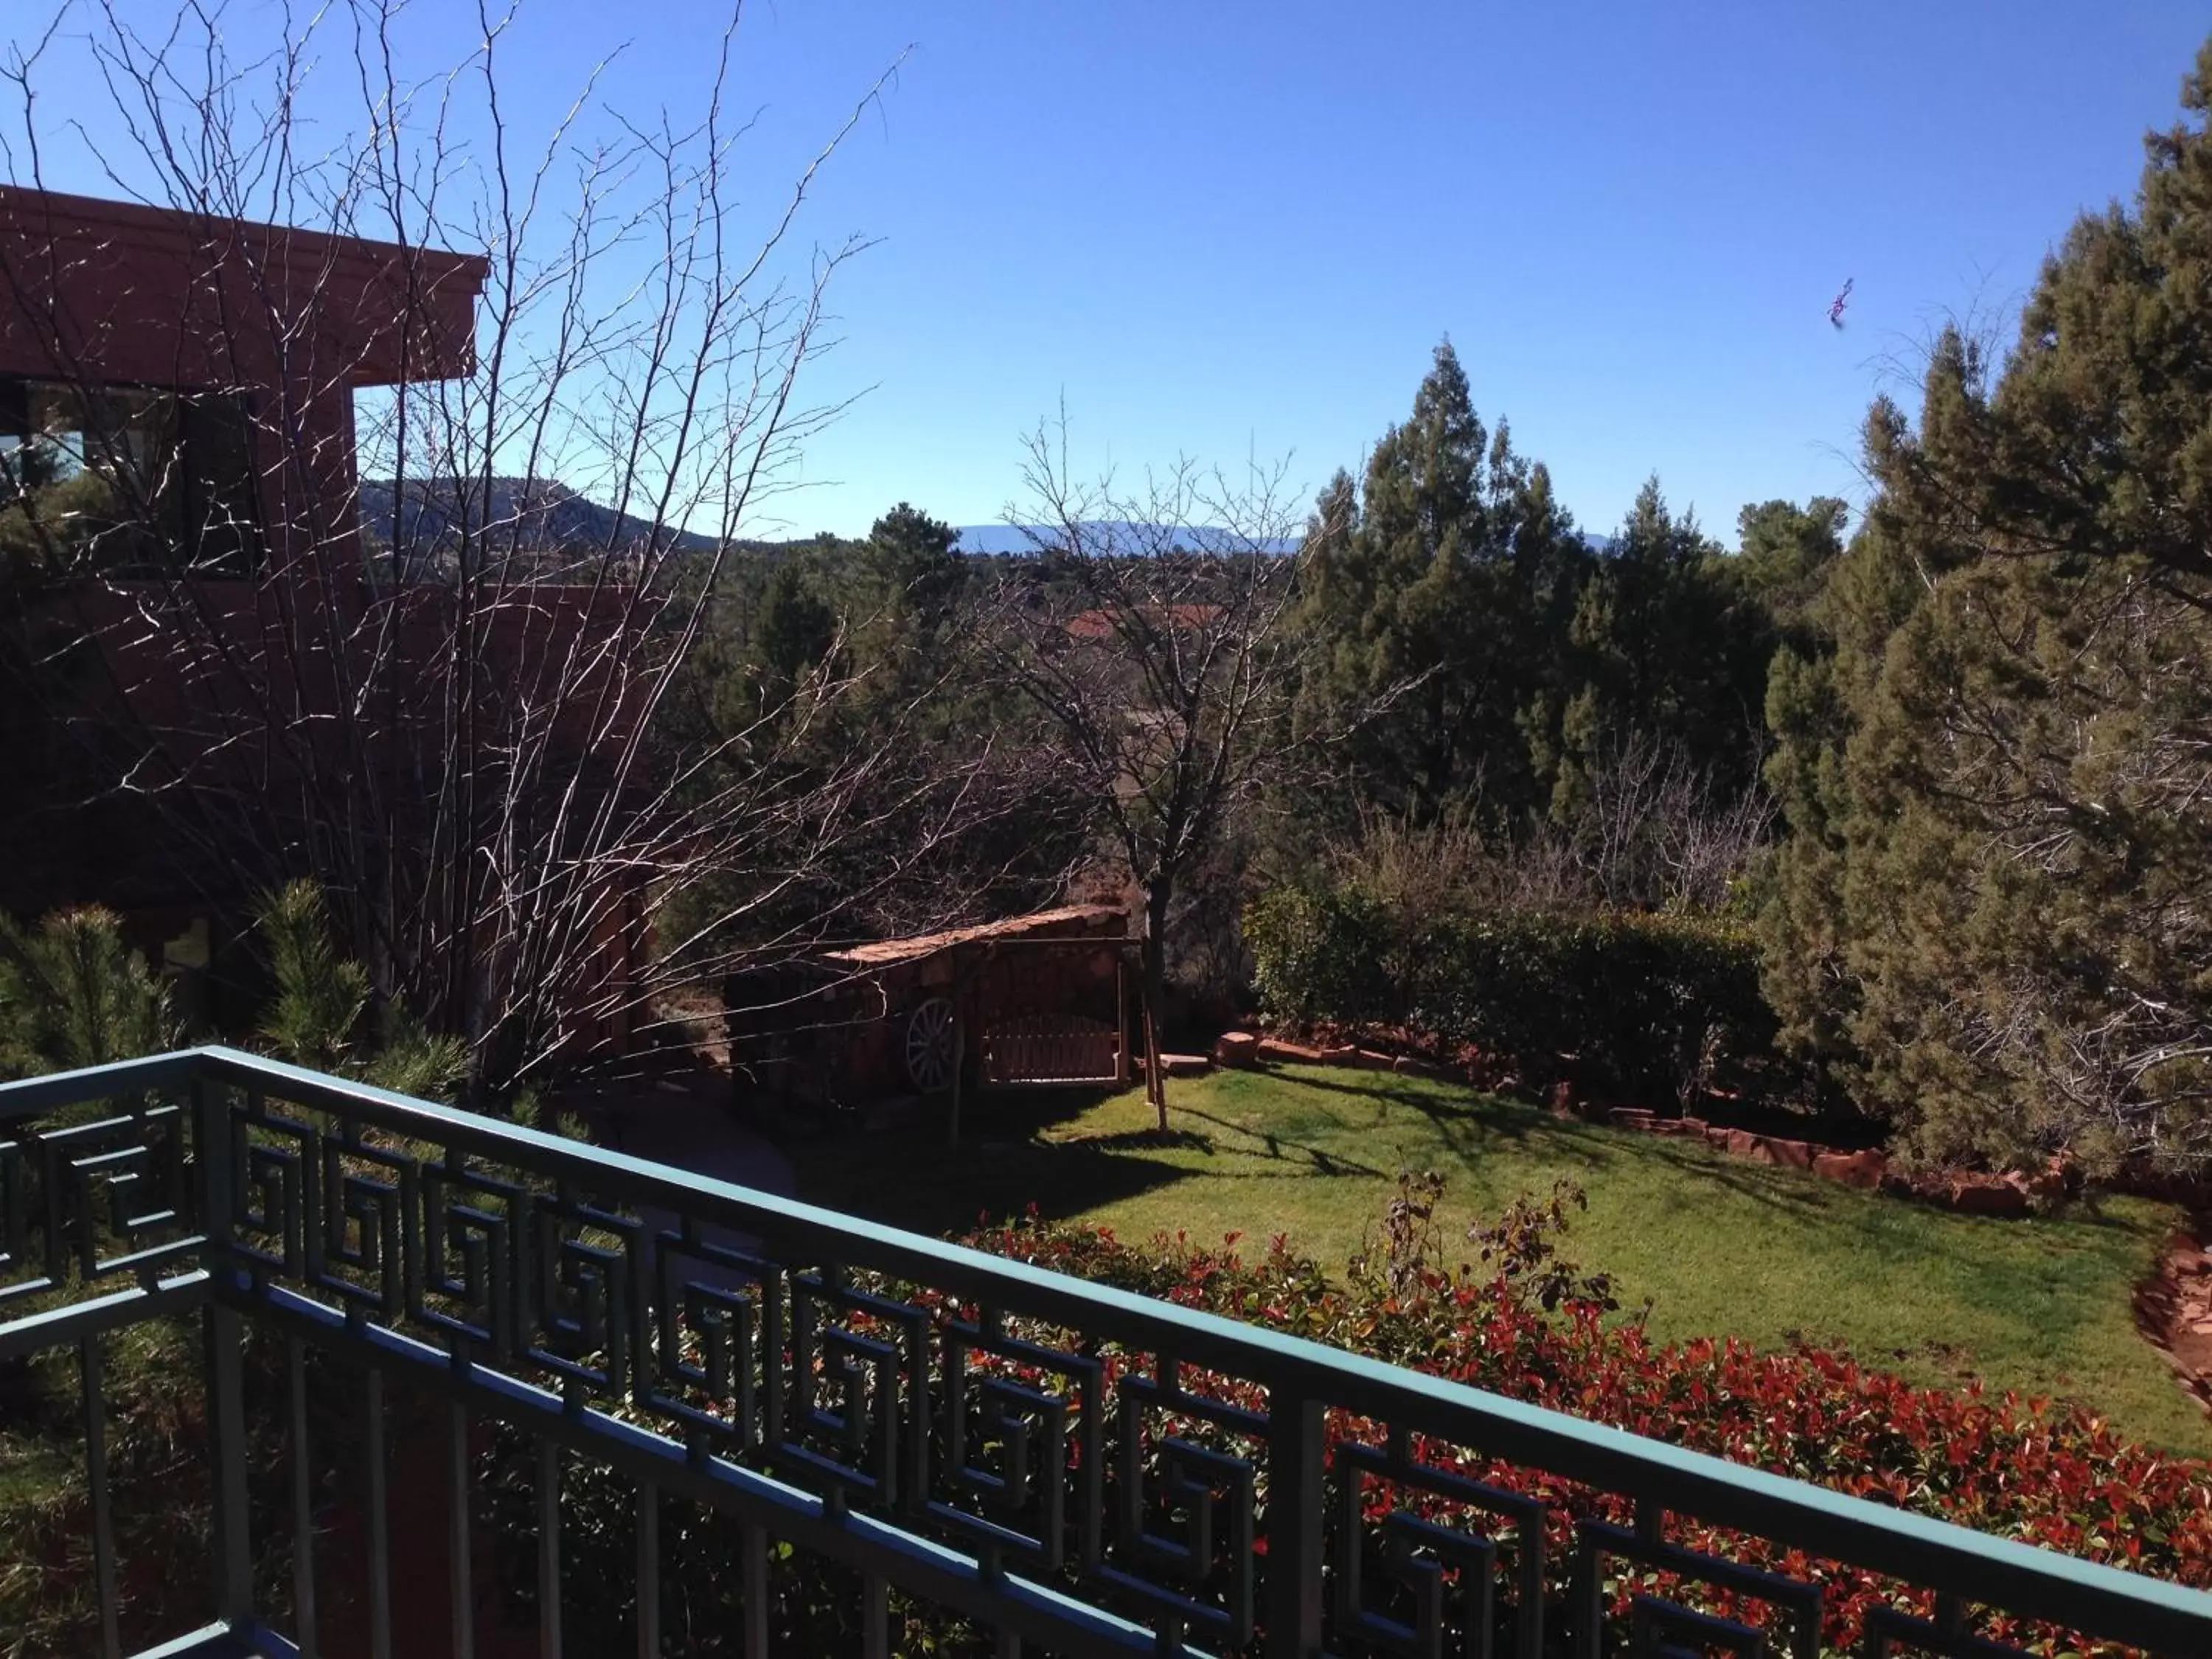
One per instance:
(1224, 228)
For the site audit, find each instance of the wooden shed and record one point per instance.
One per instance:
(1035, 1000)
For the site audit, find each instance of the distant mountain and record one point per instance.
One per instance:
(1003, 538)
(551, 517)
(994, 538)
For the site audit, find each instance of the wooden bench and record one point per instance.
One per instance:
(1052, 1050)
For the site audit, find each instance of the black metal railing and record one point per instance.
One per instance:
(1055, 1465)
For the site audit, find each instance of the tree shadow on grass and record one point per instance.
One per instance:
(1467, 1123)
(1003, 1167)
(1277, 1143)
(916, 1182)
(1928, 1243)
(1426, 1102)
(1005, 1114)
(1770, 1184)
(1139, 1140)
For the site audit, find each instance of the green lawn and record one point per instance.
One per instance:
(1720, 1245)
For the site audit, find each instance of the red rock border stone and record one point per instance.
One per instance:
(2173, 1312)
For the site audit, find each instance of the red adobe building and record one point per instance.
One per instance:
(178, 436)
(213, 364)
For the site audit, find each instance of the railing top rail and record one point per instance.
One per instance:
(37, 1095)
(1823, 1523)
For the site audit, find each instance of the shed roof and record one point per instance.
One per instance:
(1040, 924)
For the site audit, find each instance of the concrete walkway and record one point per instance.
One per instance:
(686, 1122)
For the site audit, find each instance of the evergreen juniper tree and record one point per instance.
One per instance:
(1671, 643)
(1451, 575)
(1997, 769)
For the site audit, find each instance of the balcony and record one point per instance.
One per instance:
(1066, 1467)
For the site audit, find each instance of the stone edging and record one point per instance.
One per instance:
(2173, 1313)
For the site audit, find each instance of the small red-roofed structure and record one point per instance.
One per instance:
(1037, 1001)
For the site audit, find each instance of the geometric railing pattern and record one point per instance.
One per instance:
(1078, 1469)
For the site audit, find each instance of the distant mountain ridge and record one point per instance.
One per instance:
(548, 515)
(551, 517)
(1000, 540)
(1005, 538)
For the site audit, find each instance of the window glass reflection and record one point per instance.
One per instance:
(125, 481)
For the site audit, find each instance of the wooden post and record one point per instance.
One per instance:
(1122, 1018)
(1155, 1088)
(960, 999)
(959, 1065)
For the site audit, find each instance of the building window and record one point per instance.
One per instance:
(125, 481)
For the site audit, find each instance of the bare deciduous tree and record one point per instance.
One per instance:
(1650, 833)
(1151, 635)
(1656, 834)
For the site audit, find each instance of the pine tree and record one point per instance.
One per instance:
(904, 611)
(1451, 577)
(1989, 914)
(1782, 556)
(1671, 644)
(794, 632)
(73, 993)
(319, 1013)
(912, 566)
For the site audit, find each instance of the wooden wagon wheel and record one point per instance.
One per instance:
(932, 1044)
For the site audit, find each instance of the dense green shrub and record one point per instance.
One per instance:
(1659, 1003)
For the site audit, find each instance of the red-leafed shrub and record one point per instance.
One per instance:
(1524, 1323)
